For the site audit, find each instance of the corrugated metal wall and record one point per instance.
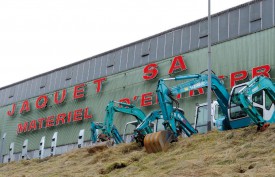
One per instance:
(242, 20)
(239, 54)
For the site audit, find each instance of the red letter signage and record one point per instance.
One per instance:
(261, 70)
(125, 100)
(41, 122)
(49, 121)
(146, 99)
(177, 63)
(79, 91)
(22, 128)
(150, 71)
(86, 114)
(38, 103)
(32, 125)
(25, 107)
(11, 113)
(77, 115)
(60, 117)
(237, 76)
(56, 97)
(99, 83)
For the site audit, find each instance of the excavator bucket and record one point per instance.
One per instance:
(264, 127)
(156, 142)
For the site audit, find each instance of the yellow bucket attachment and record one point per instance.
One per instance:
(159, 141)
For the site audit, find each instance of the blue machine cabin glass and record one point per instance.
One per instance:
(268, 102)
(235, 110)
(202, 119)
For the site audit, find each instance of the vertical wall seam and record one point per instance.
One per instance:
(198, 45)
(164, 53)
(228, 25)
(127, 59)
(249, 23)
(120, 57)
(173, 33)
(134, 56)
(190, 33)
(239, 22)
(218, 28)
(181, 32)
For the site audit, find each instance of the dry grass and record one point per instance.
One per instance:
(242, 152)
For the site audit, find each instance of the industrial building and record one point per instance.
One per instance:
(50, 113)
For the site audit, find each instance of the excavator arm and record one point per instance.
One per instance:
(103, 137)
(201, 80)
(94, 127)
(174, 119)
(165, 95)
(108, 128)
(257, 84)
(172, 115)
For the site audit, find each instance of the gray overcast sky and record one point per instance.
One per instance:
(37, 36)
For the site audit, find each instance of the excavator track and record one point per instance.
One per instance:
(159, 141)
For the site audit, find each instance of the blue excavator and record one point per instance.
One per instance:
(249, 103)
(108, 128)
(256, 88)
(175, 122)
(234, 107)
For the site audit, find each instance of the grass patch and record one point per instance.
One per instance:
(242, 152)
(112, 166)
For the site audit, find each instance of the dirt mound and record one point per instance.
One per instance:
(242, 152)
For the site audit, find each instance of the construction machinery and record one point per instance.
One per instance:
(248, 103)
(201, 122)
(174, 121)
(234, 107)
(163, 135)
(107, 127)
(261, 108)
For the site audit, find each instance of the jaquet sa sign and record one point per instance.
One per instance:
(150, 72)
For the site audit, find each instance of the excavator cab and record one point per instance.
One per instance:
(129, 137)
(127, 133)
(261, 100)
(263, 103)
(201, 117)
(237, 117)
